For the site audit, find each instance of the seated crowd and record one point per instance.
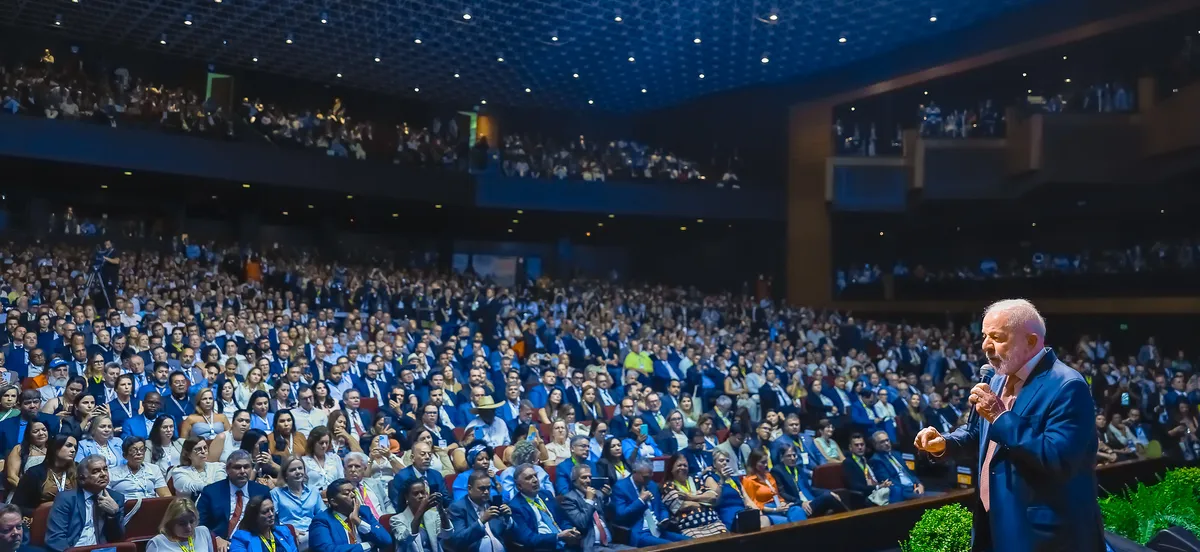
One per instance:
(65, 90)
(290, 407)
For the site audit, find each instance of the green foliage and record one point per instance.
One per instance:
(946, 529)
(1146, 510)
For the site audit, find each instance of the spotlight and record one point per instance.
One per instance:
(324, 17)
(841, 40)
(339, 75)
(456, 75)
(483, 102)
(575, 75)
(701, 75)
(631, 60)
(933, 19)
(765, 59)
(288, 39)
(254, 59)
(417, 40)
(466, 14)
(500, 59)
(618, 19)
(187, 19)
(528, 90)
(163, 39)
(590, 102)
(58, 20)
(643, 91)
(696, 40)
(377, 58)
(416, 89)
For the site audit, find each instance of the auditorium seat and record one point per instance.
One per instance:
(550, 471)
(546, 431)
(722, 434)
(499, 451)
(144, 523)
(609, 410)
(37, 528)
(832, 477)
(450, 482)
(370, 404)
(171, 486)
(28, 383)
(459, 432)
(385, 521)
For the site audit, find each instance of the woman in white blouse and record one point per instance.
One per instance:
(180, 530)
(101, 441)
(163, 447)
(195, 472)
(137, 478)
(254, 382)
(557, 447)
(323, 464)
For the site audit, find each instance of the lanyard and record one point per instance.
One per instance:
(620, 470)
(794, 473)
(60, 483)
(127, 408)
(190, 546)
(352, 535)
(862, 465)
(269, 545)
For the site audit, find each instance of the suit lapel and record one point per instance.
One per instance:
(1034, 385)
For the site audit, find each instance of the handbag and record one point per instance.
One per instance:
(880, 496)
(747, 521)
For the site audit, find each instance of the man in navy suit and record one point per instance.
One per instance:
(347, 526)
(475, 520)
(795, 490)
(12, 531)
(87, 515)
(222, 504)
(139, 425)
(178, 404)
(539, 523)
(371, 385)
(1036, 439)
(579, 455)
(698, 459)
(860, 475)
(619, 426)
(638, 506)
(12, 430)
(888, 464)
(422, 455)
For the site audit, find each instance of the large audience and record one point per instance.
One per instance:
(71, 91)
(313, 405)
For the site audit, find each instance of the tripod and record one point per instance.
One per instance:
(95, 278)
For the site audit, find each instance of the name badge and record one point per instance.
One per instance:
(804, 457)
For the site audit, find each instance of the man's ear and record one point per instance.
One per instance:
(1032, 340)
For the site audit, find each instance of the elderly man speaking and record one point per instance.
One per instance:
(1036, 440)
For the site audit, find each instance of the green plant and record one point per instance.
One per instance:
(1146, 510)
(946, 529)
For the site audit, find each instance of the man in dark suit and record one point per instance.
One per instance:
(698, 459)
(422, 455)
(347, 526)
(1036, 440)
(860, 476)
(140, 424)
(222, 504)
(177, 404)
(12, 430)
(371, 385)
(795, 489)
(888, 464)
(580, 451)
(476, 520)
(358, 420)
(632, 497)
(585, 507)
(12, 531)
(619, 426)
(89, 514)
(653, 416)
(539, 523)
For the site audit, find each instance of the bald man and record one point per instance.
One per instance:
(1036, 441)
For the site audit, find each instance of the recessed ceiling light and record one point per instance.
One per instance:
(349, 197)
(1024, 74)
(1033, 224)
(500, 59)
(528, 90)
(285, 213)
(618, 19)
(773, 17)
(377, 58)
(245, 185)
(926, 92)
(416, 41)
(187, 19)
(339, 75)
(104, 186)
(683, 228)
(288, 39)
(510, 230)
(600, 224)
(456, 75)
(324, 17)
(765, 59)
(701, 221)
(484, 102)
(162, 39)
(395, 215)
(588, 234)
(842, 40)
(881, 233)
(438, 206)
(516, 221)
(217, 1)
(1029, 91)
(58, 21)
(254, 59)
(466, 15)
(310, 206)
(631, 59)
(1064, 58)
(1067, 80)
(852, 108)
(128, 173)
(575, 75)
(520, 211)
(554, 38)
(590, 102)
(933, 19)
(643, 91)
(701, 75)
(416, 89)
(696, 40)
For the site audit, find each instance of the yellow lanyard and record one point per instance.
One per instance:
(346, 526)
(620, 470)
(270, 545)
(538, 504)
(689, 489)
(862, 465)
(794, 473)
(189, 547)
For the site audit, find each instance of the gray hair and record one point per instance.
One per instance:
(578, 470)
(6, 509)
(724, 401)
(527, 402)
(357, 456)
(82, 468)
(576, 439)
(236, 456)
(519, 470)
(640, 464)
(108, 365)
(524, 452)
(1021, 314)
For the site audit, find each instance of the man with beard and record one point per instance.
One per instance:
(54, 380)
(1036, 439)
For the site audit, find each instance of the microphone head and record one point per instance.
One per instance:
(986, 372)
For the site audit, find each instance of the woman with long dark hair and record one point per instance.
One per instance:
(226, 404)
(321, 398)
(66, 402)
(284, 439)
(324, 465)
(612, 464)
(164, 450)
(261, 417)
(31, 452)
(259, 531)
(79, 422)
(43, 482)
(257, 443)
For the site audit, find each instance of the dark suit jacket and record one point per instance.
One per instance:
(10, 429)
(790, 487)
(856, 480)
(581, 514)
(467, 531)
(525, 523)
(213, 505)
(885, 470)
(67, 518)
(697, 460)
(327, 535)
(437, 484)
(628, 507)
(1043, 491)
(135, 426)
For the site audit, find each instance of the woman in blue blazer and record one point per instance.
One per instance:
(258, 531)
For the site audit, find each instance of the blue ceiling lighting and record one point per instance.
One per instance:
(620, 47)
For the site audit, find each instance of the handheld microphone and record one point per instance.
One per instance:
(985, 376)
